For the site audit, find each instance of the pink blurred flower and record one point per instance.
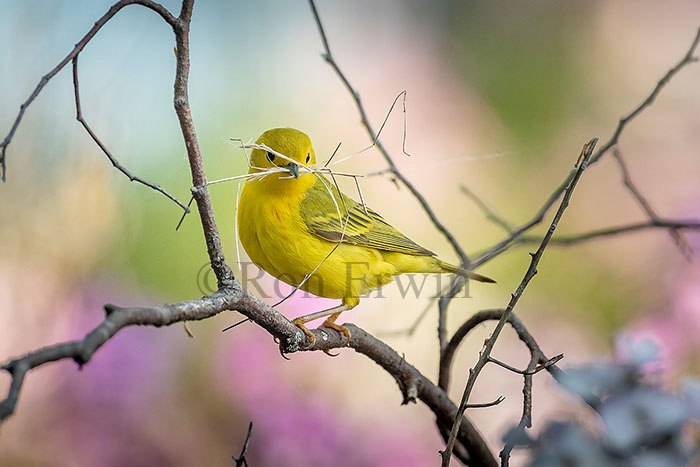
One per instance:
(292, 427)
(674, 333)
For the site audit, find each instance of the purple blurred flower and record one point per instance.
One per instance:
(106, 407)
(293, 427)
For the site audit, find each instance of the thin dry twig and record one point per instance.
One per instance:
(488, 212)
(537, 358)
(328, 57)
(241, 459)
(503, 245)
(676, 234)
(112, 159)
(569, 240)
(515, 297)
(72, 56)
(470, 324)
(231, 296)
(527, 372)
(458, 282)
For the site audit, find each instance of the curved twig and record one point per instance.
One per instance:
(328, 57)
(112, 159)
(676, 234)
(241, 460)
(156, 7)
(475, 320)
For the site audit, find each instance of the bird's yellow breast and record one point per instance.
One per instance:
(277, 240)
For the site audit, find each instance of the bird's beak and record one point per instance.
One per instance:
(292, 168)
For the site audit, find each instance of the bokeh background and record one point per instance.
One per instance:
(501, 96)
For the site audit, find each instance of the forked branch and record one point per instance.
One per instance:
(582, 163)
(73, 56)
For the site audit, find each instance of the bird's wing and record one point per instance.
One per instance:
(365, 228)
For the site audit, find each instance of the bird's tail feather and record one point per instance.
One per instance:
(447, 267)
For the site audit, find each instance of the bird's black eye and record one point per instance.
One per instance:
(270, 157)
(308, 157)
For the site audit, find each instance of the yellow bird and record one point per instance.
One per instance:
(289, 224)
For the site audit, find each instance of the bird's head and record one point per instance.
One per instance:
(293, 149)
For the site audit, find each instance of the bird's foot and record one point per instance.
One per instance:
(300, 323)
(330, 323)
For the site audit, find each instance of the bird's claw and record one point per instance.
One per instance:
(284, 355)
(300, 324)
(341, 329)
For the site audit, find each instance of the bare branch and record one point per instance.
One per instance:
(676, 234)
(241, 459)
(490, 213)
(156, 7)
(487, 404)
(81, 351)
(536, 357)
(112, 159)
(568, 240)
(181, 28)
(328, 57)
(503, 245)
(527, 372)
(529, 274)
(478, 318)
(686, 60)
(411, 382)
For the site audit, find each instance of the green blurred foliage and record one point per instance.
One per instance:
(519, 56)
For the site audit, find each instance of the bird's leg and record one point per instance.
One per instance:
(302, 320)
(330, 323)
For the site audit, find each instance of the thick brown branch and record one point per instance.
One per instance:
(413, 384)
(222, 270)
(158, 8)
(515, 297)
(81, 351)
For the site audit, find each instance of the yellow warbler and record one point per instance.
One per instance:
(289, 224)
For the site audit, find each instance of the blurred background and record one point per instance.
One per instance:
(501, 97)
